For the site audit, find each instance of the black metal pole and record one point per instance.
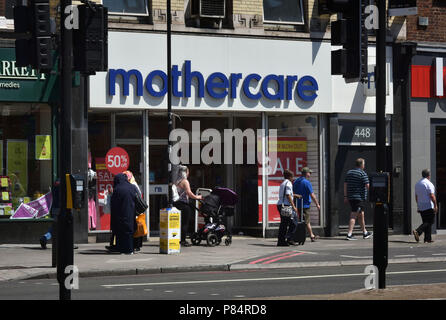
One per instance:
(65, 243)
(380, 221)
(169, 104)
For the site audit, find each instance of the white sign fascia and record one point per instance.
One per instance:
(439, 84)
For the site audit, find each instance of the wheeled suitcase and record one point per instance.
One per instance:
(301, 228)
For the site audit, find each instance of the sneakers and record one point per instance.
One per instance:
(366, 235)
(416, 235)
(350, 238)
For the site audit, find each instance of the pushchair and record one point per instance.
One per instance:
(214, 208)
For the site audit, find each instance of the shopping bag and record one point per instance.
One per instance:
(140, 204)
(141, 227)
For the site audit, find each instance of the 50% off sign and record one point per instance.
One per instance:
(117, 160)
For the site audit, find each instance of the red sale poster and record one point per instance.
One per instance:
(291, 154)
(104, 189)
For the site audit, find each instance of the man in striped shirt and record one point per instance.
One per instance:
(355, 192)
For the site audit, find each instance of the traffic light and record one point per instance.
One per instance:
(90, 43)
(350, 32)
(34, 20)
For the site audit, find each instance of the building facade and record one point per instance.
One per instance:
(419, 104)
(252, 65)
(253, 68)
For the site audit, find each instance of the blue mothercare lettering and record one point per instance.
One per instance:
(222, 83)
(312, 87)
(217, 84)
(279, 93)
(246, 83)
(149, 83)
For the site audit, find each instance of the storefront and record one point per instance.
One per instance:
(427, 116)
(248, 90)
(27, 150)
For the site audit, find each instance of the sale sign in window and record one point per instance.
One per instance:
(117, 160)
(291, 154)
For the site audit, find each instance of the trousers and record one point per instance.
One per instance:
(287, 227)
(186, 213)
(428, 217)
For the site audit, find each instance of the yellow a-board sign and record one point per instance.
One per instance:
(170, 230)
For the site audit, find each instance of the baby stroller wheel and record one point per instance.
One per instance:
(195, 239)
(212, 239)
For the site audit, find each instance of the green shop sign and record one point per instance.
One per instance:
(23, 84)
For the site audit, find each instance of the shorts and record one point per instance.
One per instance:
(357, 205)
(306, 214)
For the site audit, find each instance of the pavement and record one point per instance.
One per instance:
(19, 262)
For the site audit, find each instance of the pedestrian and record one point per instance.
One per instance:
(185, 193)
(427, 206)
(123, 213)
(355, 193)
(137, 242)
(303, 187)
(288, 224)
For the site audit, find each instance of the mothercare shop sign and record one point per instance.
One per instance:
(214, 73)
(23, 84)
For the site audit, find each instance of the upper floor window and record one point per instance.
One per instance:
(126, 7)
(283, 11)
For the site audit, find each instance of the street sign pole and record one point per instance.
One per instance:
(380, 220)
(65, 255)
(169, 104)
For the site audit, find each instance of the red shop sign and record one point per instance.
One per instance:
(117, 160)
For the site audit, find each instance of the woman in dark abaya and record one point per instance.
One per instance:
(123, 213)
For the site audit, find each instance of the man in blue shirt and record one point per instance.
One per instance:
(302, 186)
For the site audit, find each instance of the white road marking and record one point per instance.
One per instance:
(267, 279)
(127, 261)
(168, 291)
(439, 254)
(215, 294)
(357, 257)
(191, 293)
(405, 255)
(147, 289)
(240, 296)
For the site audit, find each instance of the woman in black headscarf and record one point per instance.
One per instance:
(123, 213)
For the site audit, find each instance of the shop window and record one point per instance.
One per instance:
(247, 182)
(297, 147)
(99, 142)
(127, 7)
(129, 126)
(157, 127)
(26, 154)
(283, 11)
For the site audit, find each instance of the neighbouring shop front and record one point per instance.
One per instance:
(27, 150)
(427, 116)
(275, 94)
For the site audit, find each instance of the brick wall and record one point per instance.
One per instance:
(2, 8)
(176, 5)
(435, 10)
(248, 7)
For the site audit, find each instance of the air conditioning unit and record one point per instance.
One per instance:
(208, 9)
